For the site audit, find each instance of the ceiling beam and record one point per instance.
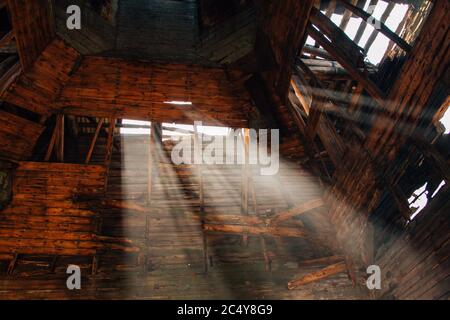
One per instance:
(33, 26)
(383, 28)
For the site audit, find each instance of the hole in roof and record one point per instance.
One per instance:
(445, 120)
(418, 200)
(378, 48)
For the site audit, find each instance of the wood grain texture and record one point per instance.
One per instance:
(18, 136)
(33, 26)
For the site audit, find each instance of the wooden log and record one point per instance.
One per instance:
(270, 231)
(321, 261)
(318, 275)
(296, 211)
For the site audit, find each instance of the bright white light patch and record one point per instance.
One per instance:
(445, 120)
(420, 203)
(181, 103)
(136, 131)
(438, 188)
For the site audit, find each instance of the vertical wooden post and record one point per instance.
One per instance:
(60, 149)
(199, 172)
(109, 147)
(245, 179)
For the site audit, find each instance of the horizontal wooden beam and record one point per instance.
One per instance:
(256, 230)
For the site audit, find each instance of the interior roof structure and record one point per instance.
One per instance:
(360, 145)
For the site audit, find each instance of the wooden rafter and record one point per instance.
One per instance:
(296, 211)
(362, 27)
(245, 179)
(60, 139)
(342, 58)
(201, 195)
(33, 26)
(346, 16)
(7, 38)
(383, 28)
(256, 230)
(318, 275)
(53, 139)
(337, 36)
(94, 140)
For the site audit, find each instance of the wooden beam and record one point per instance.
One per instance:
(109, 141)
(33, 26)
(257, 230)
(362, 27)
(284, 24)
(321, 261)
(53, 139)
(245, 180)
(109, 149)
(383, 28)
(337, 36)
(60, 139)
(318, 275)
(346, 16)
(7, 38)
(341, 57)
(199, 171)
(94, 140)
(296, 211)
(9, 77)
(374, 33)
(319, 52)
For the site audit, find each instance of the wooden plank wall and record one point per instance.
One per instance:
(427, 65)
(361, 182)
(33, 26)
(415, 262)
(105, 87)
(60, 81)
(169, 233)
(284, 24)
(36, 89)
(18, 136)
(43, 219)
